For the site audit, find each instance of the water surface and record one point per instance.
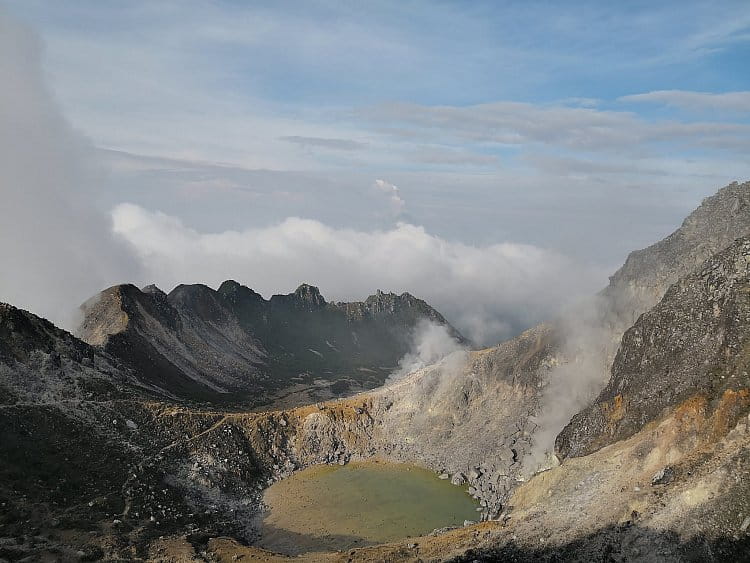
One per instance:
(327, 507)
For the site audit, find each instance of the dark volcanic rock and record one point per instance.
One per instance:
(305, 297)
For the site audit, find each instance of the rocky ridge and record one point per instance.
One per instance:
(40, 363)
(641, 282)
(200, 343)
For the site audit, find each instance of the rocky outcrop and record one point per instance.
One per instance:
(197, 342)
(695, 343)
(647, 274)
(590, 333)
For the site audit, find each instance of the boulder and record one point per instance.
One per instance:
(458, 478)
(663, 477)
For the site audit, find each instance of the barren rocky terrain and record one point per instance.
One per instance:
(102, 458)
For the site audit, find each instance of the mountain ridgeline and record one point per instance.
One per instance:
(200, 343)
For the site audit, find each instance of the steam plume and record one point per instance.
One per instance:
(431, 342)
(56, 248)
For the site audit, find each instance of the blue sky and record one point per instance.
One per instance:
(491, 97)
(456, 53)
(459, 53)
(584, 128)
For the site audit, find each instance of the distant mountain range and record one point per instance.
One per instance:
(201, 343)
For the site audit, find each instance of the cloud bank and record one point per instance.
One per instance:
(489, 292)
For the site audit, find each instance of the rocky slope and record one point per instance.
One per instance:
(199, 343)
(641, 282)
(694, 343)
(40, 363)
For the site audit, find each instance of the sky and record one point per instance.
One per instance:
(517, 151)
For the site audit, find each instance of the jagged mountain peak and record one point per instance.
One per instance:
(187, 290)
(201, 300)
(716, 223)
(647, 273)
(306, 297)
(309, 294)
(237, 293)
(390, 297)
(731, 200)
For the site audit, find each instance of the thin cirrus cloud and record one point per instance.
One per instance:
(318, 142)
(727, 101)
(264, 78)
(518, 124)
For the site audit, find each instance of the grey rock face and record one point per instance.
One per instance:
(185, 343)
(692, 345)
(664, 476)
(644, 278)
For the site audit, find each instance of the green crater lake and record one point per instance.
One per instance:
(324, 508)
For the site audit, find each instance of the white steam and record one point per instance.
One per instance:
(56, 249)
(576, 381)
(431, 342)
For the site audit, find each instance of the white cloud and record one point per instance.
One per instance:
(397, 204)
(489, 292)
